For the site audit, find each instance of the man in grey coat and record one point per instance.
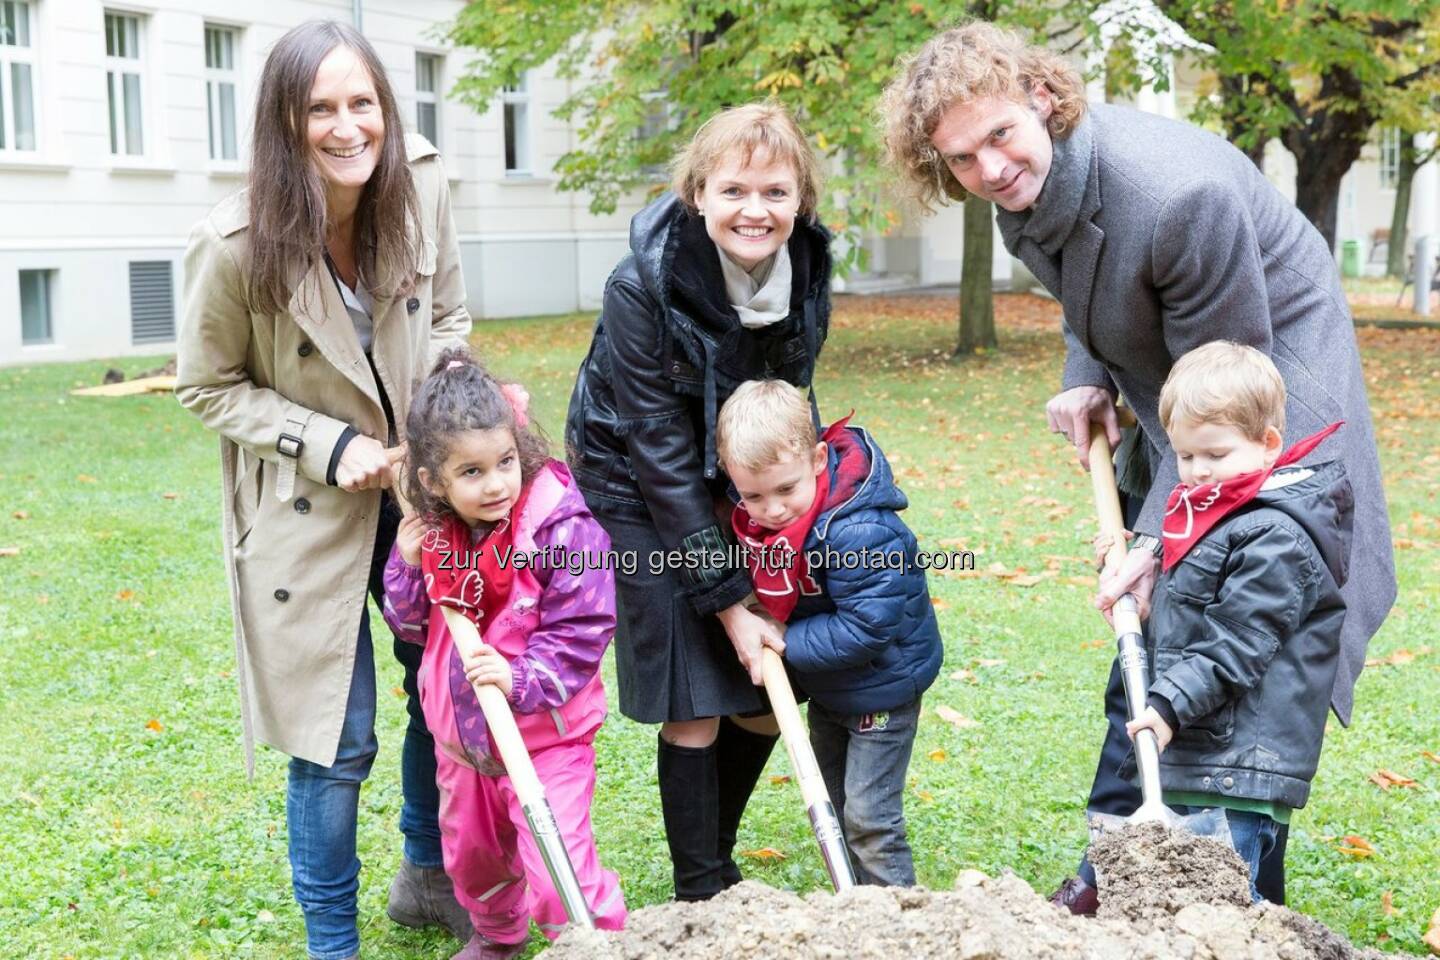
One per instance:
(1156, 237)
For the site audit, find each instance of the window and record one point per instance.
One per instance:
(17, 76)
(35, 314)
(220, 83)
(123, 74)
(152, 301)
(653, 127)
(517, 127)
(1389, 157)
(427, 102)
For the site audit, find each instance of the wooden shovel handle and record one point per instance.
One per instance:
(792, 728)
(1107, 495)
(504, 734)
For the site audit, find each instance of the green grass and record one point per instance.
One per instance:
(121, 839)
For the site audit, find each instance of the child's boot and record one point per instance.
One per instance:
(425, 896)
(481, 947)
(689, 802)
(740, 758)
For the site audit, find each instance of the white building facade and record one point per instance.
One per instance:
(122, 124)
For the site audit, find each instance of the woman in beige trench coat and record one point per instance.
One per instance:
(313, 302)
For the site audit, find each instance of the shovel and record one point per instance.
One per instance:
(505, 737)
(1133, 667)
(807, 771)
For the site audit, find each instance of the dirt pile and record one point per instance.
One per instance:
(1193, 907)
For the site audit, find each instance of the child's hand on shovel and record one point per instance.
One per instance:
(486, 665)
(1151, 720)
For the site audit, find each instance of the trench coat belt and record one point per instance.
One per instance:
(291, 441)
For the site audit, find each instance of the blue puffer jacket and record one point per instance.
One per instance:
(869, 641)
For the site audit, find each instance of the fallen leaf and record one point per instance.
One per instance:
(1432, 936)
(9, 551)
(1387, 904)
(939, 604)
(1026, 581)
(1357, 847)
(967, 675)
(42, 598)
(989, 663)
(954, 717)
(85, 478)
(20, 515)
(1385, 779)
(170, 496)
(155, 725)
(764, 853)
(938, 755)
(1430, 755)
(1398, 658)
(925, 796)
(125, 596)
(781, 778)
(399, 692)
(1094, 644)
(265, 916)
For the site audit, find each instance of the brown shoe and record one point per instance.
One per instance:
(424, 897)
(482, 947)
(1078, 897)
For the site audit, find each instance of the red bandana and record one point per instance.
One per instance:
(1191, 512)
(468, 576)
(776, 558)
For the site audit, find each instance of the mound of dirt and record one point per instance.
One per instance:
(1184, 898)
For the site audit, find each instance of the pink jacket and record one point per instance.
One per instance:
(560, 619)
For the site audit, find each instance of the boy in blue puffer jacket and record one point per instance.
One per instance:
(832, 561)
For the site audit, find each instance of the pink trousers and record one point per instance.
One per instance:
(493, 860)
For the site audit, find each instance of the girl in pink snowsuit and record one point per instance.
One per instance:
(486, 493)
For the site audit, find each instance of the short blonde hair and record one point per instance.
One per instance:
(766, 125)
(962, 65)
(761, 422)
(1225, 382)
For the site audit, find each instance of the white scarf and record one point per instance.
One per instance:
(760, 296)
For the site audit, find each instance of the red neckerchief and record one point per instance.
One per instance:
(1191, 512)
(776, 558)
(469, 576)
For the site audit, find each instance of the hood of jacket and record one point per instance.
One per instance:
(570, 504)
(876, 489)
(1320, 500)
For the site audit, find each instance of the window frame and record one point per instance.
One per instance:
(10, 55)
(115, 68)
(1388, 166)
(214, 77)
(518, 100)
(431, 97)
(48, 284)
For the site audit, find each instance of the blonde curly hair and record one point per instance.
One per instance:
(961, 65)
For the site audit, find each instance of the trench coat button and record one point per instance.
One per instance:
(282, 594)
(306, 349)
(302, 505)
(412, 304)
(1228, 782)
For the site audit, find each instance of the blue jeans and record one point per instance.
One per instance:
(321, 803)
(1253, 835)
(863, 758)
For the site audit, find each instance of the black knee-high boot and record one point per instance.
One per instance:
(740, 758)
(689, 801)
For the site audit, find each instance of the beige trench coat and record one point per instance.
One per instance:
(298, 560)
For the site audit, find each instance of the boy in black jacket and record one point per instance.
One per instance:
(832, 561)
(1244, 629)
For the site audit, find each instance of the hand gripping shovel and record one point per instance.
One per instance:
(505, 738)
(802, 760)
(1133, 667)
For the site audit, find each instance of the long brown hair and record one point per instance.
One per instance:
(288, 216)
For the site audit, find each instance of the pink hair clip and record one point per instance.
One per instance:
(519, 401)
(454, 363)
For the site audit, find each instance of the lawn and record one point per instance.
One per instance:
(128, 827)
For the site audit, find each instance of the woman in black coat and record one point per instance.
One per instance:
(727, 280)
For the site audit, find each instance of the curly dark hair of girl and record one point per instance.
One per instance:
(288, 222)
(459, 395)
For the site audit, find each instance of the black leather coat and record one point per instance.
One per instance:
(668, 350)
(1244, 638)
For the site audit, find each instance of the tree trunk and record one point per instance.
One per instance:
(1320, 164)
(1234, 89)
(977, 300)
(1400, 217)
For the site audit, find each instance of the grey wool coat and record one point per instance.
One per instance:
(1157, 236)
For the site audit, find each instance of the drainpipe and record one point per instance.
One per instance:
(355, 11)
